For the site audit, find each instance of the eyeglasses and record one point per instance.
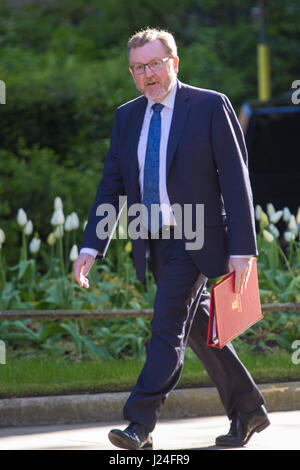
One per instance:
(154, 65)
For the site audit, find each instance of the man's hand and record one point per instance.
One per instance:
(242, 267)
(82, 267)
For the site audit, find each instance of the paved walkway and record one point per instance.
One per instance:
(192, 433)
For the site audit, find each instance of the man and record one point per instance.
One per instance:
(181, 145)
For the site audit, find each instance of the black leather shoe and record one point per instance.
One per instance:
(134, 437)
(243, 426)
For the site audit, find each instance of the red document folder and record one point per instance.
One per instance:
(230, 313)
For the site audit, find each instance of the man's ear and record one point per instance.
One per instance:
(176, 64)
(130, 71)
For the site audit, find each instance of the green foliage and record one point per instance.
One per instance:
(279, 280)
(76, 339)
(61, 103)
(32, 375)
(36, 190)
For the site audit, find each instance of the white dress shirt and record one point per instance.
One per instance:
(166, 120)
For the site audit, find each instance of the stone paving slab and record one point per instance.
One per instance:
(197, 433)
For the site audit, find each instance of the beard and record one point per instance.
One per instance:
(155, 90)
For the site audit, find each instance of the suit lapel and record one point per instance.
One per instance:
(180, 113)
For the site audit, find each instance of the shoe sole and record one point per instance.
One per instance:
(259, 428)
(121, 441)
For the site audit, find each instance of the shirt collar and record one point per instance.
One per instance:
(169, 99)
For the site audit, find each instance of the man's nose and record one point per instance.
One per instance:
(148, 71)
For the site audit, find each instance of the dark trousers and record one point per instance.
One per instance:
(180, 317)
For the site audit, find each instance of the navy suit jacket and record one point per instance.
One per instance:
(206, 164)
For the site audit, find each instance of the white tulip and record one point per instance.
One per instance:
(128, 247)
(34, 245)
(258, 211)
(264, 221)
(21, 217)
(53, 218)
(2, 236)
(286, 214)
(270, 209)
(58, 217)
(298, 216)
(74, 253)
(122, 233)
(267, 236)
(274, 230)
(68, 223)
(28, 228)
(293, 224)
(58, 203)
(75, 220)
(84, 224)
(72, 222)
(276, 216)
(289, 236)
(51, 240)
(58, 232)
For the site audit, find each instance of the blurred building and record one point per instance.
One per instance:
(272, 133)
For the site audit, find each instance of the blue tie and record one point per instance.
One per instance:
(151, 172)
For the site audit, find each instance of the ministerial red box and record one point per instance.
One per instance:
(230, 313)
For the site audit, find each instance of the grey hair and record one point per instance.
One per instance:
(144, 36)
